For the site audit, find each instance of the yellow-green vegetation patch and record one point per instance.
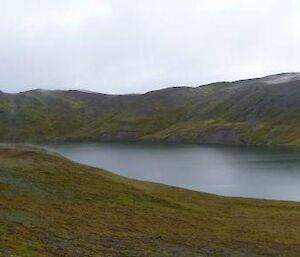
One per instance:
(21, 217)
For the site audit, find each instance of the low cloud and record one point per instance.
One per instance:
(117, 46)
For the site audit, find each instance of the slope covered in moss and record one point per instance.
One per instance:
(53, 207)
(259, 111)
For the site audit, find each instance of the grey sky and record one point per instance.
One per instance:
(126, 46)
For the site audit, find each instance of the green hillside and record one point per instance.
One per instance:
(258, 111)
(53, 207)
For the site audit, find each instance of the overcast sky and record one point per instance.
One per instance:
(131, 46)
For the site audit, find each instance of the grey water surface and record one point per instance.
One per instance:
(247, 171)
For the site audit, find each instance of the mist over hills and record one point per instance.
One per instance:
(257, 111)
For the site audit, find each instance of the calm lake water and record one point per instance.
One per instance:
(259, 172)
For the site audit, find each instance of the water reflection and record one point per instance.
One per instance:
(259, 172)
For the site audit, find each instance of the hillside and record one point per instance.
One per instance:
(51, 206)
(257, 111)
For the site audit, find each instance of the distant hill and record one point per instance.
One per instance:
(53, 207)
(256, 111)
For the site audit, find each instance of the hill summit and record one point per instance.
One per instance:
(260, 111)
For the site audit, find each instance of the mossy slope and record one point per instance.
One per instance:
(51, 206)
(242, 112)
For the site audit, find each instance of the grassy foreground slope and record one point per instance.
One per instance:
(50, 206)
(259, 111)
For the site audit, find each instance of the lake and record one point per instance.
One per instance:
(258, 172)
